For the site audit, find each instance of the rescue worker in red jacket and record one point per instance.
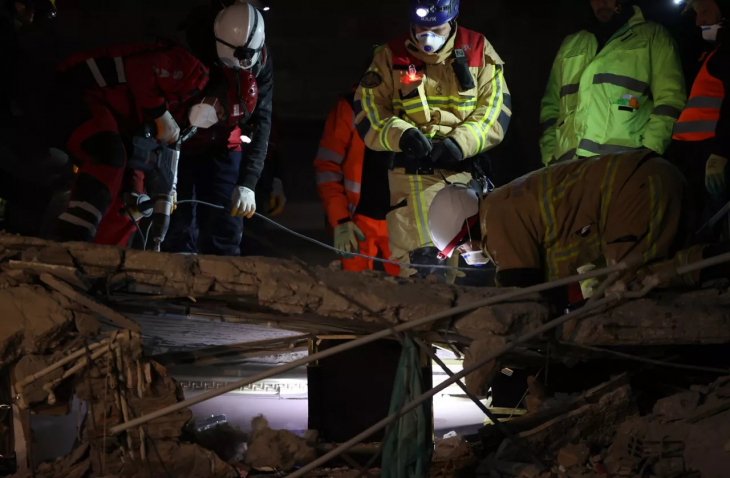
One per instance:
(350, 182)
(111, 92)
(223, 165)
(701, 146)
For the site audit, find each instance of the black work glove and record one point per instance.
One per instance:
(447, 152)
(414, 143)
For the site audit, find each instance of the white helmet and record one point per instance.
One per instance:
(239, 34)
(453, 212)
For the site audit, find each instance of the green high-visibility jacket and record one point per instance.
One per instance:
(627, 96)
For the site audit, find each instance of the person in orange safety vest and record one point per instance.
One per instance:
(350, 179)
(701, 145)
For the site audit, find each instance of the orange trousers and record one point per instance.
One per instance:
(376, 241)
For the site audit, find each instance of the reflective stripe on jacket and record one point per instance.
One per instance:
(406, 88)
(339, 162)
(559, 218)
(159, 75)
(626, 96)
(698, 121)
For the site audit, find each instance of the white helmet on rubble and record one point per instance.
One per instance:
(239, 34)
(453, 212)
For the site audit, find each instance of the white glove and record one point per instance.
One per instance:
(132, 201)
(243, 202)
(167, 129)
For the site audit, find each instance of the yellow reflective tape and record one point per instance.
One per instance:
(384, 134)
(419, 208)
(656, 214)
(547, 212)
(607, 189)
(487, 121)
(559, 255)
(496, 93)
(570, 181)
(477, 135)
(370, 108)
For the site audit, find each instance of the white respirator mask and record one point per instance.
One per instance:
(203, 115)
(475, 258)
(430, 42)
(709, 33)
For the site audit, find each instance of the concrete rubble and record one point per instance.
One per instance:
(685, 435)
(54, 299)
(276, 449)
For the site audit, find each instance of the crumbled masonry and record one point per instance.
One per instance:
(55, 297)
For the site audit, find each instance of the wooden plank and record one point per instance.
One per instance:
(65, 289)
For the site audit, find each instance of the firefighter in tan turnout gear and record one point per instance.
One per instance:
(437, 97)
(545, 225)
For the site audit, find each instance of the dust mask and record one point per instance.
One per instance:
(203, 115)
(709, 33)
(430, 42)
(475, 258)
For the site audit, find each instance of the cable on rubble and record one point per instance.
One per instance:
(327, 246)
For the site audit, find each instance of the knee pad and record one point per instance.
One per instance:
(89, 190)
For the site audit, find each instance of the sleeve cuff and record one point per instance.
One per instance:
(459, 142)
(249, 181)
(155, 112)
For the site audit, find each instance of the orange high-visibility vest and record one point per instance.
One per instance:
(699, 118)
(339, 162)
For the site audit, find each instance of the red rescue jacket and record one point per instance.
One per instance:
(160, 77)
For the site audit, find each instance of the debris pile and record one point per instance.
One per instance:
(53, 297)
(279, 450)
(601, 434)
(118, 384)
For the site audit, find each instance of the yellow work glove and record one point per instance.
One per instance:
(277, 199)
(716, 175)
(346, 237)
(453, 274)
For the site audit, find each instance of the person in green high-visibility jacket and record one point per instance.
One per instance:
(614, 87)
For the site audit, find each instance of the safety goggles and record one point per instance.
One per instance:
(243, 54)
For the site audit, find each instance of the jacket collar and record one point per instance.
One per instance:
(432, 58)
(636, 20)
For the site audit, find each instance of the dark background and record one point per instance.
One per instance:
(319, 48)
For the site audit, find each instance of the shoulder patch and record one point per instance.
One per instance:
(371, 79)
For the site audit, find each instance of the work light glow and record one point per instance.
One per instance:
(422, 12)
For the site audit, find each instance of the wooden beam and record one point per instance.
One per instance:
(117, 318)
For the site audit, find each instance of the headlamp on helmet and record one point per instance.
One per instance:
(432, 13)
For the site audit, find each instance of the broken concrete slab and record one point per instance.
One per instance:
(573, 455)
(676, 317)
(677, 406)
(277, 287)
(593, 422)
(279, 450)
(32, 321)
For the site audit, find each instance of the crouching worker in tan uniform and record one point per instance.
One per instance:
(550, 223)
(546, 225)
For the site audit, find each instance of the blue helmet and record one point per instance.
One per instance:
(432, 13)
